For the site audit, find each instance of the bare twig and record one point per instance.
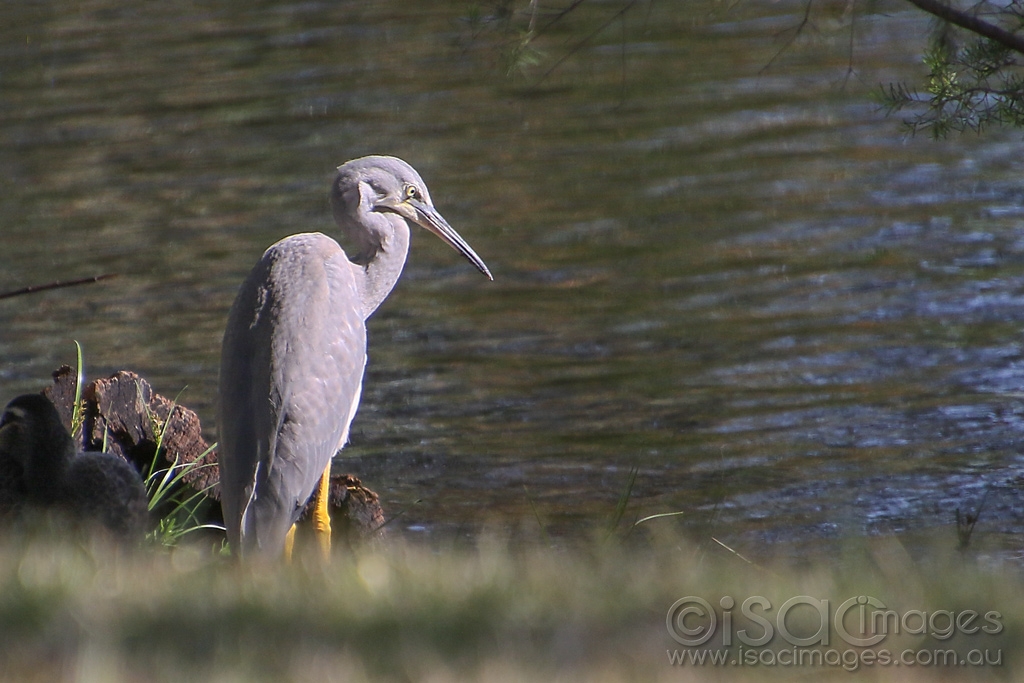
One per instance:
(32, 289)
(797, 30)
(579, 46)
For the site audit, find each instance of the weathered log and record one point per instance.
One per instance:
(133, 418)
(355, 510)
(124, 413)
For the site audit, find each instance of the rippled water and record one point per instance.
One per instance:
(743, 281)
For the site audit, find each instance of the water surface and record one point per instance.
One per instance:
(794, 320)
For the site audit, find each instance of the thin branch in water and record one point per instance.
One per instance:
(398, 514)
(558, 16)
(579, 46)
(849, 64)
(32, 289)
(797, 31)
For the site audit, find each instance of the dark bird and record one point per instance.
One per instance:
(295, 349)
(39, 468)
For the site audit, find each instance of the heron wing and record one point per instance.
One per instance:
(291, 372)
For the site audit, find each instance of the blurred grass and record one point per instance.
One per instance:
(589, 610)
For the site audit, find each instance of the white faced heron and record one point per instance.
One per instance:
(295, 349)
(41, 469)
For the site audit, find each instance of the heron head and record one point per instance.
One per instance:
(370, 191)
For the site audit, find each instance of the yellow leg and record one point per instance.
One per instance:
(289, 544)
(321, 515)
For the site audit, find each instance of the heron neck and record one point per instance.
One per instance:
(383, 270)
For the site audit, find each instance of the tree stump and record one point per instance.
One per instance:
(123, 413)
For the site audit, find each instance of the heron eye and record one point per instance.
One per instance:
(411, 192)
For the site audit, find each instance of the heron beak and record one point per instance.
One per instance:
(427, 217)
